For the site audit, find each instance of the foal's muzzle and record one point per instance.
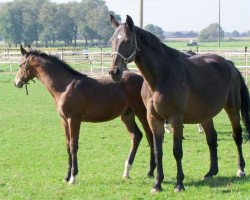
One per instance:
(115, 73)
(18, 82)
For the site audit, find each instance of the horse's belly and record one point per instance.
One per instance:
(201, 111)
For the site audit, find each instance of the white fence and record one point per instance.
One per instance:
(97, 63)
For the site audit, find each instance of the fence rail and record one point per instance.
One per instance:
(96, 63)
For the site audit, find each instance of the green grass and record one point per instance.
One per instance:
(33, 158)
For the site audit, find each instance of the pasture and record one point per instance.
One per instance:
(33, 157)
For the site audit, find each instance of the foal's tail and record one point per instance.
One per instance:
(245, 105)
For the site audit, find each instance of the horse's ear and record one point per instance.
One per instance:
(23, 51)
(113, 21)
(129, 22)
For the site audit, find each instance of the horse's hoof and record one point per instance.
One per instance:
(179, 188)
(151, 176)
(240, 173)
(206, 178)
(71, 180)
(155, 190)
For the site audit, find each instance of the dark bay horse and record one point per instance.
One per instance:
(182, 90)
(80, 98)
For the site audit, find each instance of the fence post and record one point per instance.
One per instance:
(246, 55)
(102, 62)
(91, 65)
(62, 54)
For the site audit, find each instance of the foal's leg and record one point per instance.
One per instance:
(128, 119)
(149, 136)
(157, 127)
(66, 130)
(74, 128)
(177, 124)
(234, 117)
(211, 137)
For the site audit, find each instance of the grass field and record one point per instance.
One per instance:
(33, 158)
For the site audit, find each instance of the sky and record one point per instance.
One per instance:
(184, 15)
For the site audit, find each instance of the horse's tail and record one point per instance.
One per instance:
(245, 104)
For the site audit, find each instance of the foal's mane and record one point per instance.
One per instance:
(55, 60)
(155, 43)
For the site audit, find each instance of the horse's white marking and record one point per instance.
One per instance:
(240, 173)
(17, 80)
(126, 170)
(167, 128)
(200, 128)
(119, 36)
(72, 180)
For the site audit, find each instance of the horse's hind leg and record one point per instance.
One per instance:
(74, 128)
(128, 118)
(234, 117)
(66, 130)
(211, 137)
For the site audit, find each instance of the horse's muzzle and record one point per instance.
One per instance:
(115, 73)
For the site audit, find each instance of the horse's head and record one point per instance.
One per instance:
(124, 46)
(26, 69)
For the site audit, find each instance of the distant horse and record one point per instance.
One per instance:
(79, 98)
(182, 90)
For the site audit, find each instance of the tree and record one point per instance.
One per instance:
(235, 34)
(210, 34)
(11, 23)
(64, 25)
(47, 19)
(32, 27)
(156, 30)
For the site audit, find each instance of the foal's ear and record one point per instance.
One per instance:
(29, 47)
(129, 22)
(23, 51)
(113, 21)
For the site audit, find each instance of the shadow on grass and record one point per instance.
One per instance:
(214, 182)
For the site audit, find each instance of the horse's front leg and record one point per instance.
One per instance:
(74, 128)
(67, 136)
(157, 128)
(177, 125)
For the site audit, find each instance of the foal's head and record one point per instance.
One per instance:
(26, 70)
(124, 46)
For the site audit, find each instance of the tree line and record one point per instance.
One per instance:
(31, 21)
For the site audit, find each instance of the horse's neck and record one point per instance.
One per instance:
(151, 64)
(54, 79)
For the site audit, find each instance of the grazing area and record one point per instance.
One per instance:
(33, 156)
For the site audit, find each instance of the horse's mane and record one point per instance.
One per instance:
(56, 60)
(155, 43)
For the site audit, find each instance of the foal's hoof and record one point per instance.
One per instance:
(126, 177)
(71, 180)
(155, 190)
(179, 188)
(65, 180)
(240, 173)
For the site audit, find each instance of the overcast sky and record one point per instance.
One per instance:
(184, 15)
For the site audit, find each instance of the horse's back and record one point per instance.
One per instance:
(211, 80)
(100, 99)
